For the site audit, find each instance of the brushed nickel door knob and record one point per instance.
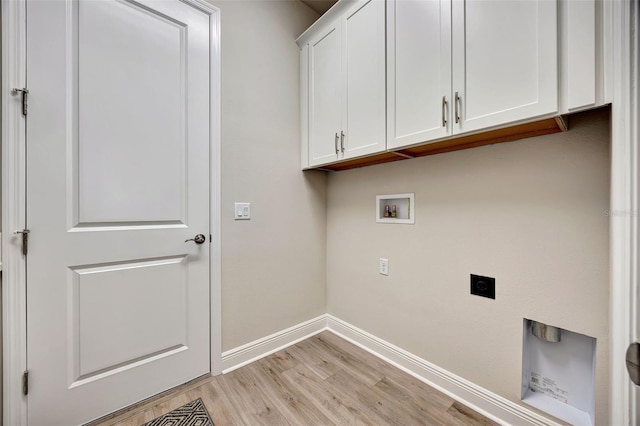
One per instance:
(198, 239)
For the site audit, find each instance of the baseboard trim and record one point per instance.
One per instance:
(483, 401)
(253, 351)
(479, 399)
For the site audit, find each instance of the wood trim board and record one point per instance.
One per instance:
(253, 351)
(507, 134)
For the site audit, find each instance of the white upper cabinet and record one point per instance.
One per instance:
(451, 68)
(325, 92)
(418, 70)
(346, 85)
(585, 43)
(363, 68)
(504, 61)
(457, 66)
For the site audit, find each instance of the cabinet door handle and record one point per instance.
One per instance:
(444, 107)
(457, 106)
(342, 140)
(336, 143)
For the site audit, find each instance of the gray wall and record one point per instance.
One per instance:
(273, 266)
(530, 213)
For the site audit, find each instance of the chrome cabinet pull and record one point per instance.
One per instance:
(444, 107)
(456, 109)
(336, 143)
(341, 140)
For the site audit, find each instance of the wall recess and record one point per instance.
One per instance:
(395, 208)
(558, 372)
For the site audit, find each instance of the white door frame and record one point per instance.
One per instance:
(624, 209)
(14, 314)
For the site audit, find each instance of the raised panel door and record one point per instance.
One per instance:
(118, 179)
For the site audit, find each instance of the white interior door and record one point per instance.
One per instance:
(118, 179)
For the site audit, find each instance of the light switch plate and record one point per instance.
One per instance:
(242, 211)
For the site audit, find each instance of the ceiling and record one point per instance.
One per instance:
(320, 6)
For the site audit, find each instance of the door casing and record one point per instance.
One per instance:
(14, 354)
(624, 214)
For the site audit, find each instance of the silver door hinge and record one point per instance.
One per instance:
(25, 96)
(25, 382)
(25, 240)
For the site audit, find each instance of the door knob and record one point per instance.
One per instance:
(198, 239)
(633, 363)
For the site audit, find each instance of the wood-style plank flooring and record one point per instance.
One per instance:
(323, 380)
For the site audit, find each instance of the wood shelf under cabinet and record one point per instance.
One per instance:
(507, 134)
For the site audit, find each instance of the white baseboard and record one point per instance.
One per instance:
(479, 399)
(253, 351)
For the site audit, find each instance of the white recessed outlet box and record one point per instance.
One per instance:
(242, 211)
(384, 266)
(395, 208)
(558, 372)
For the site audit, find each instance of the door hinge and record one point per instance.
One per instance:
(25, 96)
(25, 240)
(25, 382)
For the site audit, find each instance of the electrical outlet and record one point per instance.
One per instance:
(483, 286)
(384, 266)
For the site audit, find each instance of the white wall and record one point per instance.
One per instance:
(273, 266)
(530, 213)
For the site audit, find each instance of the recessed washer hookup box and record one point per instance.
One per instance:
(558, 372)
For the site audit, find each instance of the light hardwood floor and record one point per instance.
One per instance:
(323, 380)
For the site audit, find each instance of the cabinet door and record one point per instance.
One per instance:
(363, 62)
(504, 61)
(583, 68)
(324, 96)
(418, 70)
